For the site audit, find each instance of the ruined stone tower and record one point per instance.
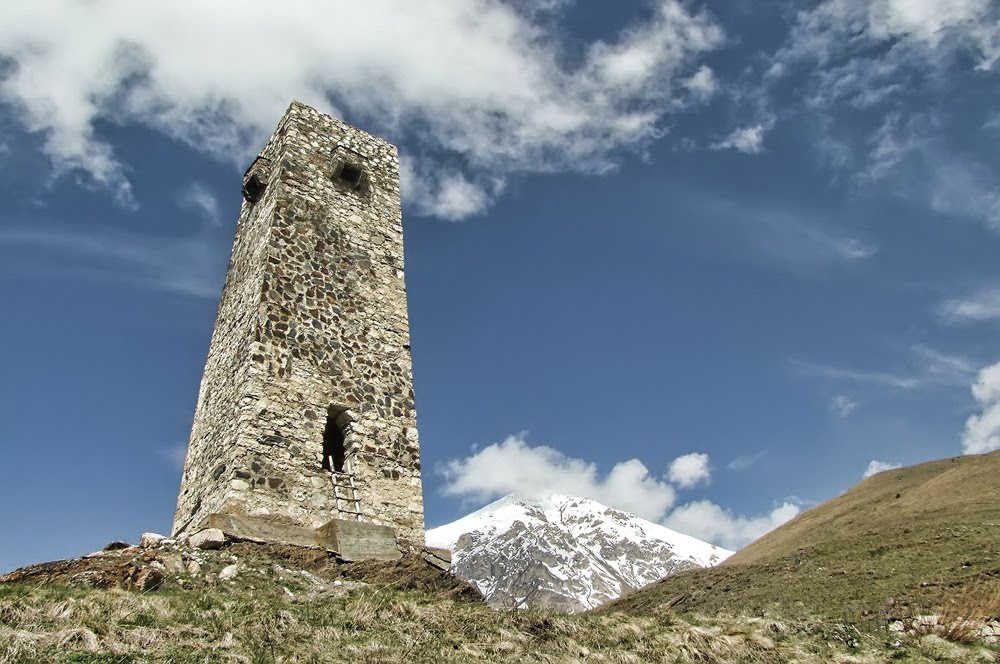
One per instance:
(305, 411)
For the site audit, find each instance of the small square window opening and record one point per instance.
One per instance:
(351, 175)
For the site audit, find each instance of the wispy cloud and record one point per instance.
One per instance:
(927, 368)
(187, 265)
(876, 57)
(787, 239)
(843, 405)
(741, 463)
(174, 455)
(913, 34)
(802, 242)
(749, 140)
(198, 197)
(908, 155)
(981, 306)
(898, 381)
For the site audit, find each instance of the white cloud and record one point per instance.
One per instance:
(749, 140)
(919, 29)
(707, 521)
(448, 195)
(515, 467)
(981, 306)
(477, 86)
(198, 197)
(186, 265)
(878, 466)
(689, 470)
(703, 84)
(843, 405)
(969, 23)
(982, 431)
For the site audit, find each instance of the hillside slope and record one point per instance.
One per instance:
(249, 602)
(900, 541)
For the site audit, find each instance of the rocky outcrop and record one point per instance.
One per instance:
(175, 565)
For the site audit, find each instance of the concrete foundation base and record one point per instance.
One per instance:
(355, 540)
(350, 540)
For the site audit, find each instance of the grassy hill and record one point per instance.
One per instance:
(907, 542)
(903, 542)
(262, 604)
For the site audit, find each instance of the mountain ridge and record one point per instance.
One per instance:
(564, 553)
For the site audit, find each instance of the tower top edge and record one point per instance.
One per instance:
(300, 110)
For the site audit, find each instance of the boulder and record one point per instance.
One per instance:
(150, 540)
(145, 579)
(173, 563)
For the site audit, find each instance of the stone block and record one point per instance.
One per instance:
(263, 529)
(440, 558)
(356, 540)
(209, 538)
(444, 554)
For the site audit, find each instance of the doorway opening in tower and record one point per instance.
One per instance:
(334, 442)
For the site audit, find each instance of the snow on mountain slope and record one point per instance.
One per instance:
(564, 553)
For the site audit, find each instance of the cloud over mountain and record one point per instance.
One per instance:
(514, 466)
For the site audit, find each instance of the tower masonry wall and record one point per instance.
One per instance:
(311, 332)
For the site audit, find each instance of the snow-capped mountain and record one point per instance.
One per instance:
(563, 553)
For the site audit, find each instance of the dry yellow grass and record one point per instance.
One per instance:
(394, 622)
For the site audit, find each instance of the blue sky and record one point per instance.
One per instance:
(706, 261)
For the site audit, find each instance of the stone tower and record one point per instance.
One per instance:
(305, 411)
